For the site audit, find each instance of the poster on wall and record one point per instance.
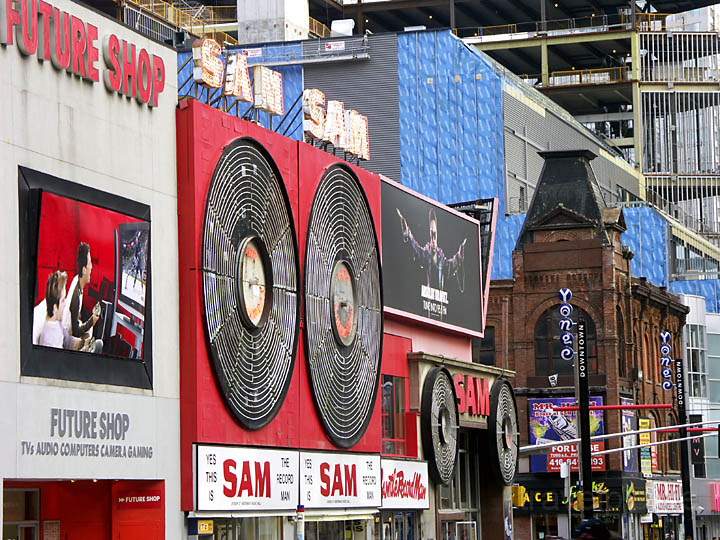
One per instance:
(548, 426)
(628, 420)
(646, 465)
(431, 261)
(85, 291)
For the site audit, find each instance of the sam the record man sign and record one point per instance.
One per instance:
(339, 480)
(236, 478)
(405, 484)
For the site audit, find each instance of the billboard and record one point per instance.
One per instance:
(431, 261)
(628, 421)
(548, 425)
(85, 288)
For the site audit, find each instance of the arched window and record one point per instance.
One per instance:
(622, 359)
(547, 343)
(646, 361)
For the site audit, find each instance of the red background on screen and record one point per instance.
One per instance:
(64, 223)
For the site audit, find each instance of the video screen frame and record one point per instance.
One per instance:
(62, 364)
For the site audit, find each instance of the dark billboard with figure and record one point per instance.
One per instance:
(431, 261)
(85, 266)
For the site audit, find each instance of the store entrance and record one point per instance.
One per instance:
(14, 531)
(250, 528)
(459, 530)
(21, 514)
(400, 526)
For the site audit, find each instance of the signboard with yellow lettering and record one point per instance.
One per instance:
(547, 497)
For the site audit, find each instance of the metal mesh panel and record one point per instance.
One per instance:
(680, 57)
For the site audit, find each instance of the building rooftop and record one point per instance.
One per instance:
(388, 15)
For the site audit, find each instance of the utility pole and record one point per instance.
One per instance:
(684, 449)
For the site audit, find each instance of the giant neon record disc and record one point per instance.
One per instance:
(250, 280)
(343, 307)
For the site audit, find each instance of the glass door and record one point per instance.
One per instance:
(16, 531)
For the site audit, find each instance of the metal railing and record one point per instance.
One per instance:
(197, 19)
(680, 57)
(581, 77)
(318, 29)
(590, 76)
(148, 24)
(643, 22)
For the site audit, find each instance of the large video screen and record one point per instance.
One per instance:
(91, 276)
(87, 260)
(431, 261)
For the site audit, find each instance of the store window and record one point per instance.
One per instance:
(713, 367)
(250, 528)
(673, 449)
(21, 510)
(547, 343)
(337, 530)
(461, 496)
(544, 526)
(695, 351)
(483, 349)
(393, 415)
(646, 360)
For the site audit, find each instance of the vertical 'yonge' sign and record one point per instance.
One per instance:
(70, 44)
(665, 360)
(566, 338)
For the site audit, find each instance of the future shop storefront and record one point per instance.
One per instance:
(86, 419)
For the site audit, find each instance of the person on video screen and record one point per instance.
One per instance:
(54, 334)
(432, 257)
(78, 328)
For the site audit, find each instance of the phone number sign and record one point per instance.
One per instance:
(569, 452)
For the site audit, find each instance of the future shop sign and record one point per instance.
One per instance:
(70, 44)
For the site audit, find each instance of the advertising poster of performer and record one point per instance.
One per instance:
(629, 423)
(548, 425)
(431, 260)
(91, 279)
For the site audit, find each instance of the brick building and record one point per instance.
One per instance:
(572, 240)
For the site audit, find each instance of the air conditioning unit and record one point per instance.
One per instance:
(342, 28)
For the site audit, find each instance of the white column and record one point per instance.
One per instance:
(564, 526)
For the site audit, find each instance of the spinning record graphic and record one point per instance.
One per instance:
(439, 423)
(504, 431)
(250, 270)
(343, 307)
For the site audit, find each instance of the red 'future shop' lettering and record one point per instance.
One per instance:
(344, 480)
(71, 45)
(254, 479)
